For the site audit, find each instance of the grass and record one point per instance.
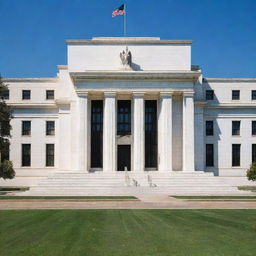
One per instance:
(128, 232)
(248, 188)
(216, 197)
(68, 197)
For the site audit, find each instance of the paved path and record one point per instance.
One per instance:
(155, 202)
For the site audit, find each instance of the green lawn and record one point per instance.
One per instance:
(67, 197)
(128, 232)
(217, 197)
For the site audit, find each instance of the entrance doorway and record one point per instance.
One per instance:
(123, 157)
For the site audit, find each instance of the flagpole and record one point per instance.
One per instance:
(125, 24)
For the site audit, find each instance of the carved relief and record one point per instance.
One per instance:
(126, 59)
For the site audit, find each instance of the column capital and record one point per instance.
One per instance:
(188, 94)
(166, 94)
(109, 94)
(83, 94)
(138, 94)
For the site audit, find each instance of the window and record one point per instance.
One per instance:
(209, 155)
(5, 95)
(209, 128)
(253, 94)
(26, 94)
(235, 127)
(50, 94)
(123, 117)
(235, 94)
(253, 127)
(253, 152)
(26, 154)
(236, 154)
(96, 133)
(49, 155)
(50, 128)
(209, 94)
(26, 127)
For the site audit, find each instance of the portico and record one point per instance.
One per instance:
(137, 138)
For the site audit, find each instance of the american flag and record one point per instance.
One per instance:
(118, 11)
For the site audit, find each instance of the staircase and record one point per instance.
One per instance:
(68, 183)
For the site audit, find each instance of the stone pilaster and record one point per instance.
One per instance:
(165, 132)
(138, 137)
(83, 136)
(109, 132)
(188, 132)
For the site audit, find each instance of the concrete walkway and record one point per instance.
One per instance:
(145, 202)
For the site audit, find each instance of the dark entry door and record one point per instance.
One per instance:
(123, 157)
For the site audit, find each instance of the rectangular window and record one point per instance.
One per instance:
(50, 128)
(209, 128)
(5, 95)
(50, 94)
(150, 134)
(235, 127)
(253, 94)
(236, 154)
(49, 154)
(253, 127)
(123, 117)
(26, 127)
(26, 94)
(26, 154)
(235, 94)
(253, 152)
(209, 94)
(96, 133)
(209, 155)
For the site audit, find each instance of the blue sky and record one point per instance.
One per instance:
(33, 32)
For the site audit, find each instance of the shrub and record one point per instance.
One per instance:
(6, 170)
(251, 172)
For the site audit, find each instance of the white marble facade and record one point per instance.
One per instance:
(161, 71)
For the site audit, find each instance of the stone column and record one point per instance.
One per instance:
(165, 132)
(83, 138)
(188, 132)
(109, 132)
(138, 137)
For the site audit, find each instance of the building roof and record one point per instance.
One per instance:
(126, 40)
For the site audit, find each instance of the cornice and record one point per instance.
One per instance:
(30, 80)
(136, 75)
(127, 40)
(32, 105)
(230, 80)
(231, 105)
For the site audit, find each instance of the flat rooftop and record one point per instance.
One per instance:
(125, 40)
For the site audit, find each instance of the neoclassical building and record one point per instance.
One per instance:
(135, 104)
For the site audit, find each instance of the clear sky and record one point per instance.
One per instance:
(33, 32)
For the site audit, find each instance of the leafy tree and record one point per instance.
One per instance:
(6, 169)
(251, 172)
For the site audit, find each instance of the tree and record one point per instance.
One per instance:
(251, 172)
(6, 168)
